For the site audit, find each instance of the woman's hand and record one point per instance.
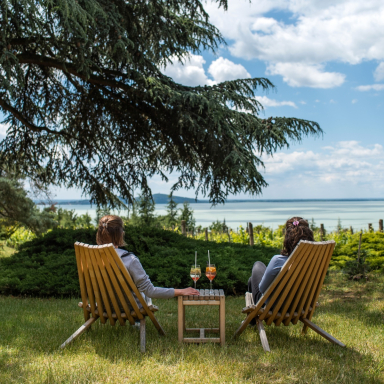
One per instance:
(186, 292)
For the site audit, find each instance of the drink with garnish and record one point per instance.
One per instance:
(210, 272)
(195, 273)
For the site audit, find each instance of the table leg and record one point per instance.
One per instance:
(181, 320)
(222, 320)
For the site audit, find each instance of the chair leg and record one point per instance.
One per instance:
(263, 335)
(244, 324)
(321, 332)
(142, 335)
(81, 330)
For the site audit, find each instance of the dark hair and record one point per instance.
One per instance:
(111, 230)
(295, 233)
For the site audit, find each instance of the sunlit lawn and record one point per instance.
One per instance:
(32, 330)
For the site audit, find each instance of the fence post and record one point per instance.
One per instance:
(321, 232)
(370, 227)
(184, 227)
(351, 230)
(250, 231)
(381, 225)
(358, 252)
(206, 234)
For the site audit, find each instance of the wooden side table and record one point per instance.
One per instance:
(218, 298)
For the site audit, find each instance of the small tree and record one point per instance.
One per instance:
(171, 211)
(187, 215)
(17, 209)
(146, 207)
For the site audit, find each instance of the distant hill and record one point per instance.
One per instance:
(159, 198)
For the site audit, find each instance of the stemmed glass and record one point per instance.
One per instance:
(210, 272)
(195, 273)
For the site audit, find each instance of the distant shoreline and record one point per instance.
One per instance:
(179, 200)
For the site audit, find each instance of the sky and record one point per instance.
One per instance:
(326, 59)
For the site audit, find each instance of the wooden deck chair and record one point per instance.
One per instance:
(106, 290)
(294, 292)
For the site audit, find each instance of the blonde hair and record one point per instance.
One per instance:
(111, 230)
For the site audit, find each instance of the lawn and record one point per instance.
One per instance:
(32, 330)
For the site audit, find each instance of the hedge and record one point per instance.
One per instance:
(46, 266)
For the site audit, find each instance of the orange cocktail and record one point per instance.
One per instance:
(210, 272)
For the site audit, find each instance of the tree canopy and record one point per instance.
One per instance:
(88, 106)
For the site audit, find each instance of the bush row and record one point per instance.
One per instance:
(46, 266)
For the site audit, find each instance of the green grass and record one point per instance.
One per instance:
(32, 330)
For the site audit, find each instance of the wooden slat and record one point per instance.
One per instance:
(248, 299)
(110, 280)
(213, 330)
(202, 333)
(95, 284)
(116, 276)
(198, 340)
(129, 284)
(123, 283)
(263, 336)
(99, 269)
(297, 304)
(133, 287)
(201, 302)
(297, 290)
(88, 281)
(81, 330)
(80, 270)
(321, 332)
(320, 285)
(222, 320)
(316, 282)
(180, 319)
(314, 267)
(276, 288)
(287, 294)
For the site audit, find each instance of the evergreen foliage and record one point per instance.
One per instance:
(87, 105)
(172, 211)
(17, 209)
(186, 213)
(146, 208)
(47, 266)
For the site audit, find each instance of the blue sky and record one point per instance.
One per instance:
(326, 59)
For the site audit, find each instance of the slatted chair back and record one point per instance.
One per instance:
(293, 294)
(107, 290)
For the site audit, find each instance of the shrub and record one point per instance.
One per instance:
(46, 266)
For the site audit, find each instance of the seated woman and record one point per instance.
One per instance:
(296, 229)
(111, 230)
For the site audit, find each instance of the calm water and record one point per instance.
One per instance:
(351, 213)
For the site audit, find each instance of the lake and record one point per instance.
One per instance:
(356, 213)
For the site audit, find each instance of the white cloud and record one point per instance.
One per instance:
(375, 87)
(192, 71)
(379, 72)
(3, 130)
(267, 102)
(224, 69)
(314, 33)
(354, 101)
(303, 75)
(346, 162)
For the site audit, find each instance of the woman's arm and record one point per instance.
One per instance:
(144, 284)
